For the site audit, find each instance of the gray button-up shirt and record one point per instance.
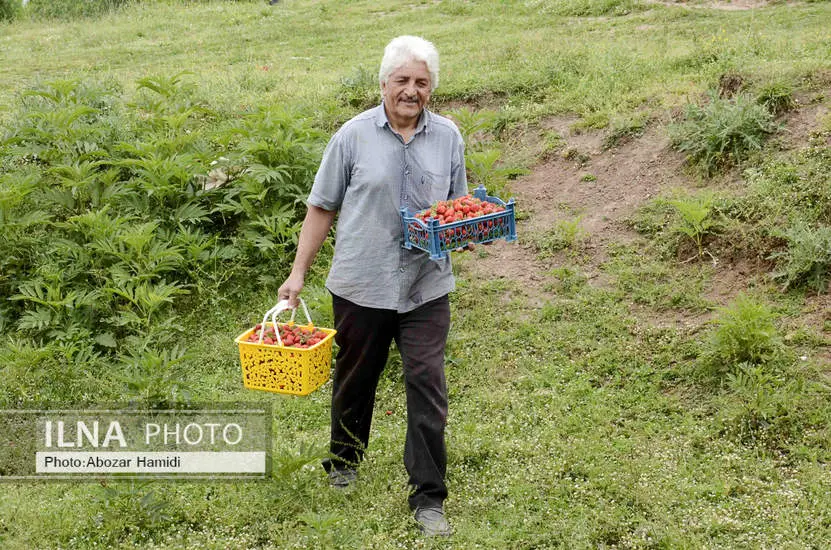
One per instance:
(368, 173)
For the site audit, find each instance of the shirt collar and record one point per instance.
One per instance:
(424, 120)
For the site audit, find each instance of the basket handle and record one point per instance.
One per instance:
(280, 307)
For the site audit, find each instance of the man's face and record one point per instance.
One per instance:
(407, 91)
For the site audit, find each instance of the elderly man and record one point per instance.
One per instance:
(397, 154)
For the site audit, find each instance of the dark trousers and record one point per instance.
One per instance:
(364, 336)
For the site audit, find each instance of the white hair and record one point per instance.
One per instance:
(402, 49)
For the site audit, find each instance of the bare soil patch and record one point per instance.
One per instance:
(801, 122)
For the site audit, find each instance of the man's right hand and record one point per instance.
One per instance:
(291, 288)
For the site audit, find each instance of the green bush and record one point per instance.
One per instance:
(9, 9)
(807, 258)
(744, 333)
(110, 214)
(723, 132)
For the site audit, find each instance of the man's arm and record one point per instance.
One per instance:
(315, 228)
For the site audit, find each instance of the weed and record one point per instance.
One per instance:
(825, 124)
(483, 170)
(288, 463)
(51, 373)
(551, 143)
(786, 211)
(645, 279)
(777, 97)
(723, 132)
(130, 228)
(455, 7)
(588, 178)
(623, 129)
(580, 157)
(153, 378)
(743, 333)
(327, 530)
(806, 259)
(695, 219)
(360, 89)
(762, 410)
(132, 509)
(473, 125)
(595, 120)
(652, 217)
(569, 280)
(792, 189)
(565, 234)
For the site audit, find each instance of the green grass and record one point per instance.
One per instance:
(647, 279)
(583, 414)
(544, 61)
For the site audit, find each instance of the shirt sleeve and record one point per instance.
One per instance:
(333, 175)
(458, 175)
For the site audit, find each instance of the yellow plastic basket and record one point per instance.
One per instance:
(282, 369)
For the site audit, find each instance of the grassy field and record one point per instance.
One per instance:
(583, 415)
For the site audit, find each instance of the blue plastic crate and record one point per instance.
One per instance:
(439, 240)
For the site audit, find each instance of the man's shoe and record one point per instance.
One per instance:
(341, 479)
(432, 522)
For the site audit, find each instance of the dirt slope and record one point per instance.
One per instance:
(627, 176)
(624, 178)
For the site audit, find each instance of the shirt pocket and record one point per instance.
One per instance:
(434, 186)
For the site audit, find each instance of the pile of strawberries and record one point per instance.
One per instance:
(463, 208)
(293, 336)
